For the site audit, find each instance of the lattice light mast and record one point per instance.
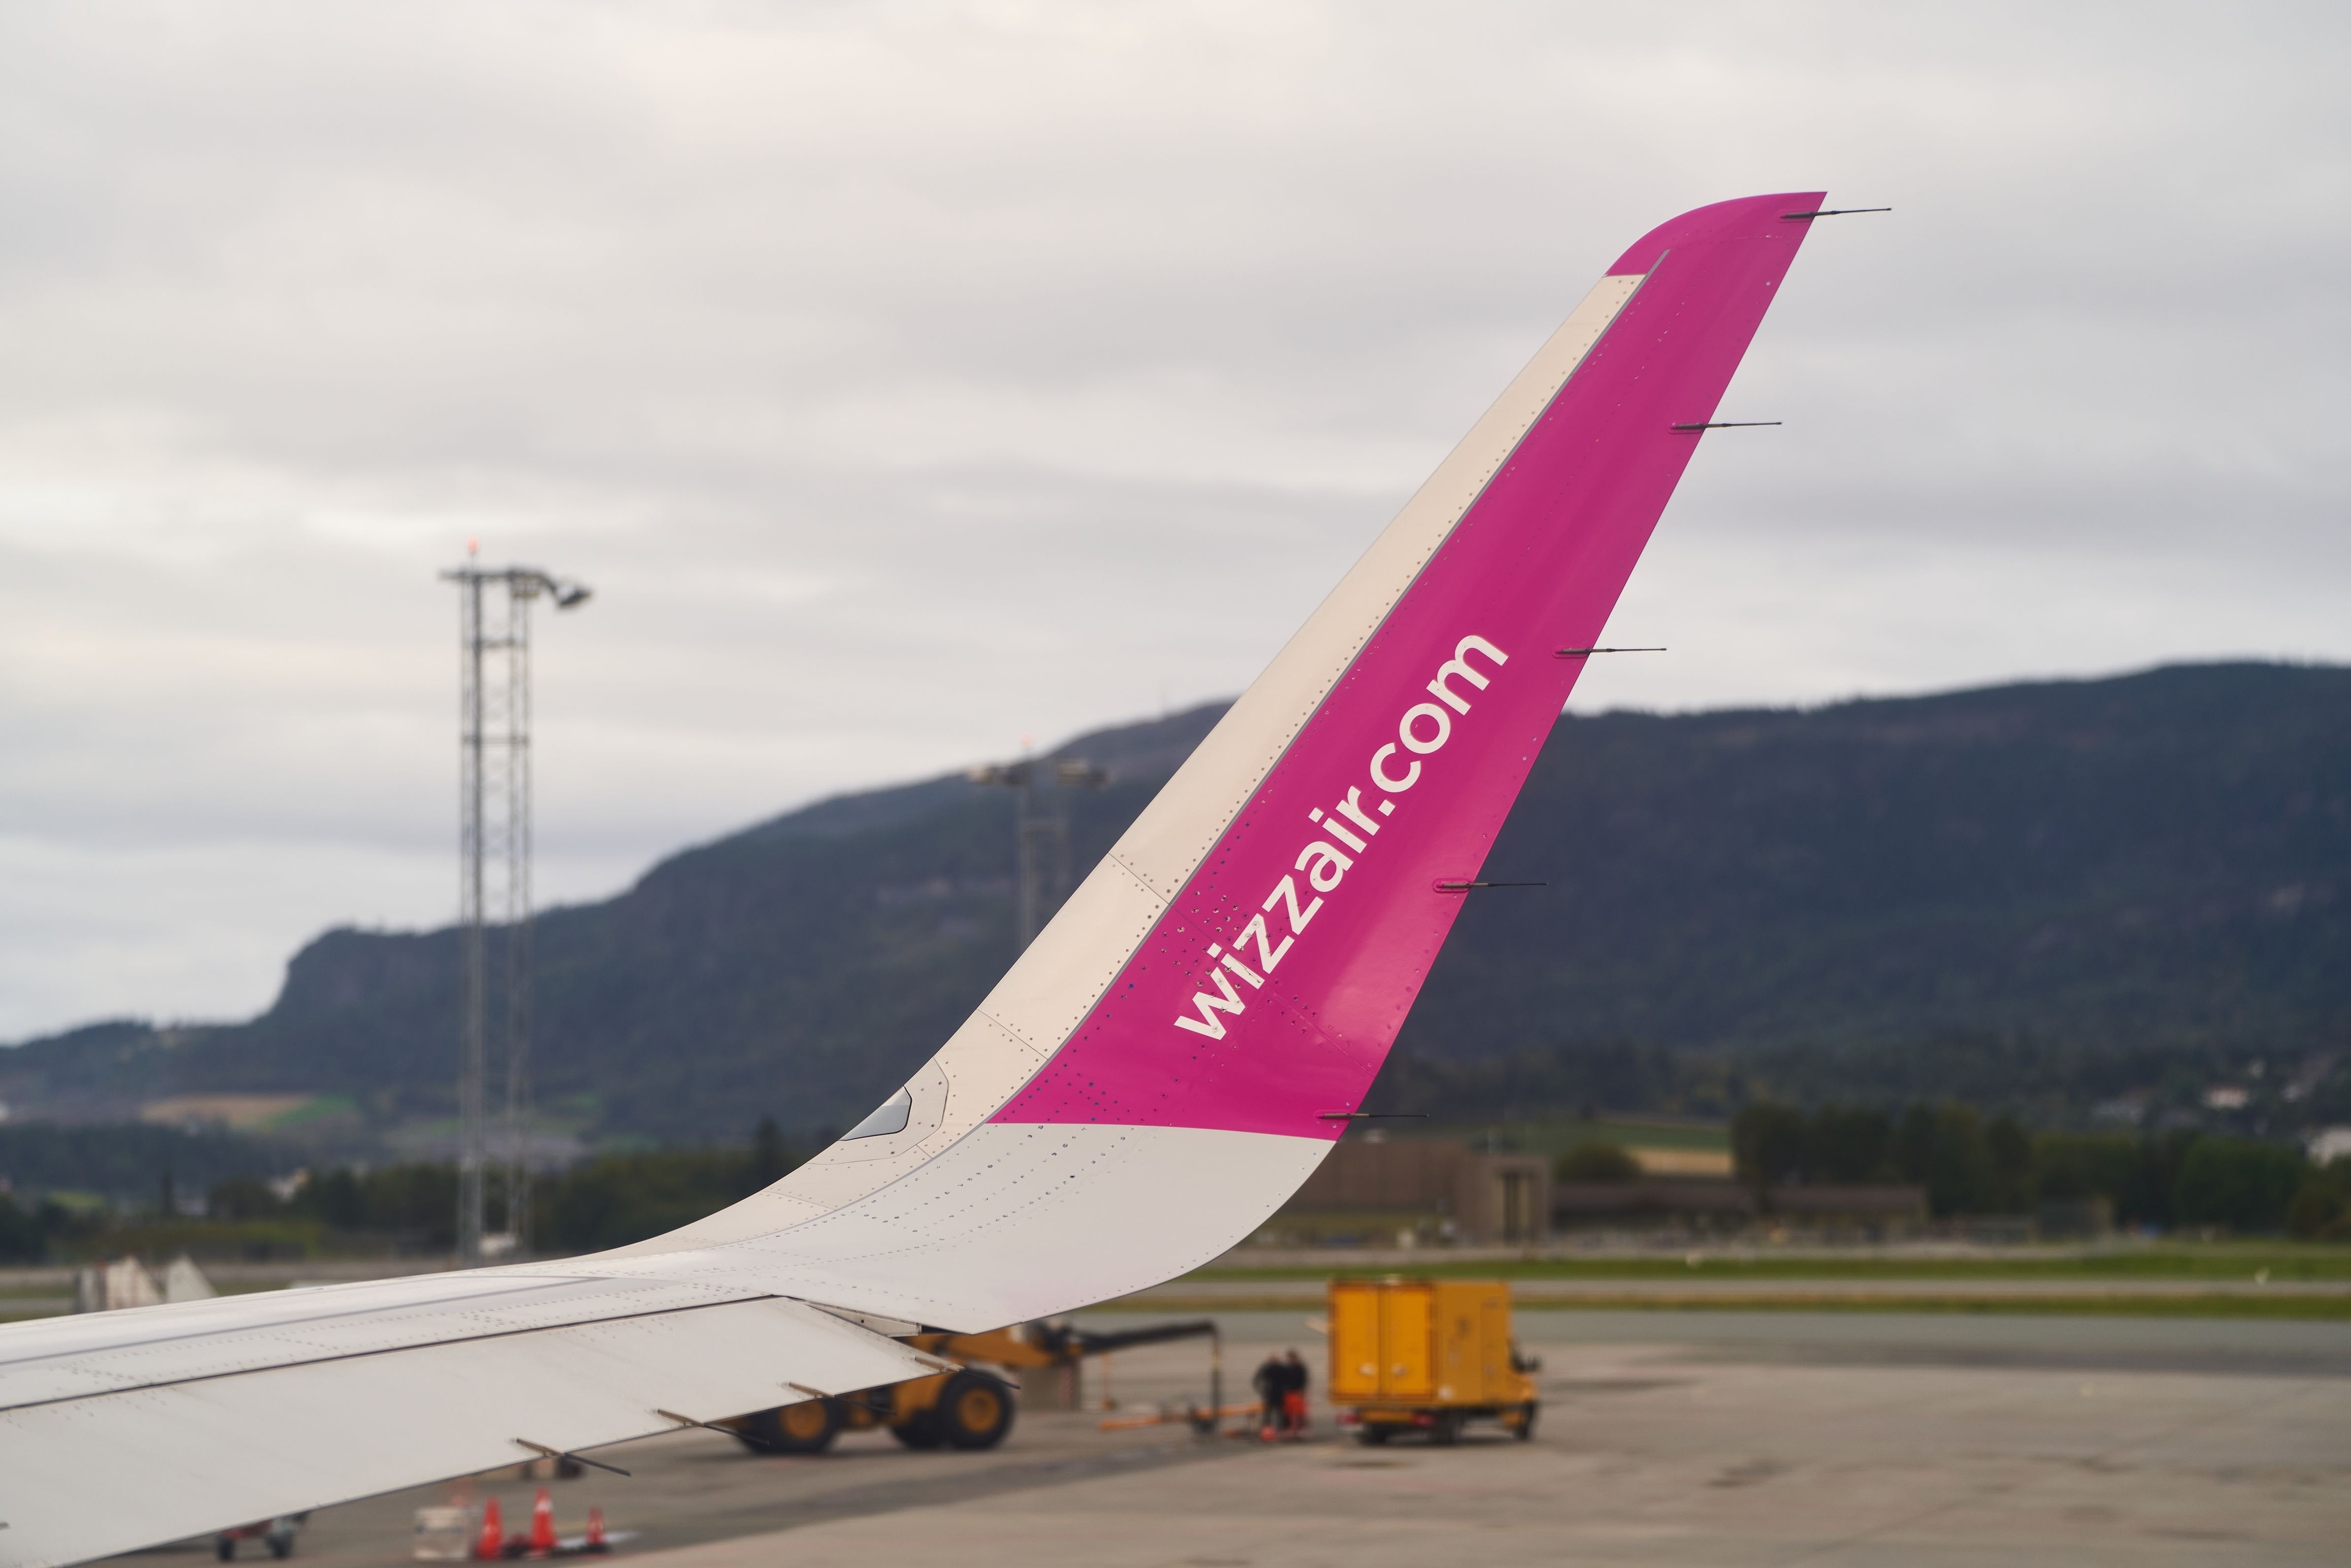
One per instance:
(494, 847)
(1040, 825)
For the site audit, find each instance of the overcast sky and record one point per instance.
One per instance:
(911, 379)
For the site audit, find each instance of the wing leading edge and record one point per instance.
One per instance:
(1154, 1077)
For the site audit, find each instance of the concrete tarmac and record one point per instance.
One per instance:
(1666, 1438)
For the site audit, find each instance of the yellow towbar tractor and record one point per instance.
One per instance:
(969, 1408)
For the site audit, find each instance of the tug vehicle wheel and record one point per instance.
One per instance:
(974, 1410)
(807, 1428)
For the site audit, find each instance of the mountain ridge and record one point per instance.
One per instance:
(2157, 860)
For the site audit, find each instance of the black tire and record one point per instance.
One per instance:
(1526, 1423)
(1446, 1431)
(807, 1428)
(1370, 1435)
(281, 1546)
(918, 1431)
(225, 1548)
(974, 1410)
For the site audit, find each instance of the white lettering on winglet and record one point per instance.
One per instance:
(1423, 731)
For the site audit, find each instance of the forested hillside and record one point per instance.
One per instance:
(2096, 883)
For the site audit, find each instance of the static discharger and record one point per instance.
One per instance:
(690, 1421)
(1588, 652)
(819, 1394)
(740, 1435)
(1694, 427)
(1468, 887)
(1835, 212)
(545, 1452)
(1371, 1116)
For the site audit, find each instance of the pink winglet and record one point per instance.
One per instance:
(1268, 995)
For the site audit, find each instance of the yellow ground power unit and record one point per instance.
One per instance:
(1427, 1355)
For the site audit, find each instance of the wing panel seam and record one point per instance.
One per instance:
(387, 1350)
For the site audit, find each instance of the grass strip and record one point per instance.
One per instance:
(2331, 1309)
(2220, 1262)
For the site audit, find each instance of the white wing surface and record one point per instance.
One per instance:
(1156, 1074)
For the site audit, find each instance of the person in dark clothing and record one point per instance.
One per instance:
(1294, 1381)
(1271, 1382)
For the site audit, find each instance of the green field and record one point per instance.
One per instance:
(317, 1109)
(1778, 1281)
(2216, 1261)
(2329, 1308)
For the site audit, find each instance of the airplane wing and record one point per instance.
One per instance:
(1158, 1072)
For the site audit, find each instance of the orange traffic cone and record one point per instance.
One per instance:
(492, 1541)
(542, 1524)
(595, 1542)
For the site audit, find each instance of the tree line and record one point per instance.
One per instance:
(410, 1206)
(1970, 1164)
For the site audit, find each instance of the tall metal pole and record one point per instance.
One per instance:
(1034, 832)
(474, 998)
(1040, 831)
(494, 889)
(517, 913)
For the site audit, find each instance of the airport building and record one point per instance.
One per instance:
(1436, 1190)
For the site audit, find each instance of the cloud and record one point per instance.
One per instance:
(911, 377)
